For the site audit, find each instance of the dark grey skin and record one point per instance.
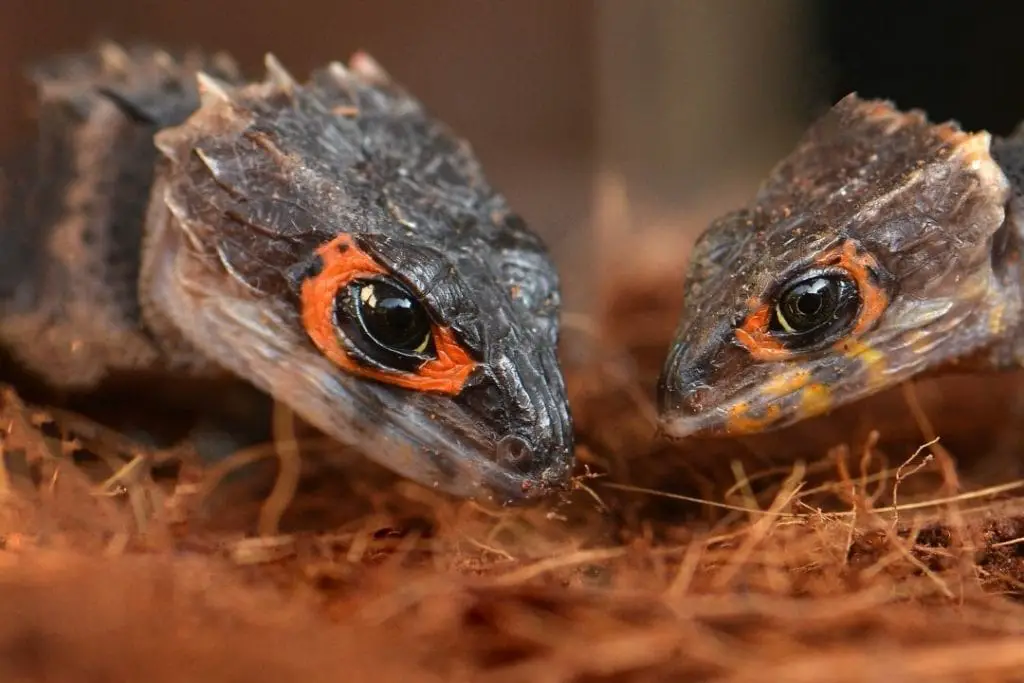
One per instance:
(935, 217)
(174, 216)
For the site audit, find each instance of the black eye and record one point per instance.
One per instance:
(386, 322)
(815, 307)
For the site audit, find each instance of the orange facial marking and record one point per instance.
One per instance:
(344, 262)
(754, 333)
(873, 299)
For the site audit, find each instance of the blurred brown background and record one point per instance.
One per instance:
(617, 127)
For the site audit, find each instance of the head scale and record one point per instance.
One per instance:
(339, 248)
(872, 253)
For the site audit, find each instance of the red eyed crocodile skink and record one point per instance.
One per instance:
(883, 247)
(328, 242)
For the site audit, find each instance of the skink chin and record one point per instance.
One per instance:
(882, 247)
(328, 242)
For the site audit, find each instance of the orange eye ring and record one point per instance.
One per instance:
(755, 335)
(343, 262)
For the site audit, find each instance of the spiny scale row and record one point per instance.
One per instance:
(117, 61)
(360, 65)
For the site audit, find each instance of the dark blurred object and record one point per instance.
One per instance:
(956, 60)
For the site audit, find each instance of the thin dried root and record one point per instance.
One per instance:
(130, 480)
(290, 468)
(263, 550)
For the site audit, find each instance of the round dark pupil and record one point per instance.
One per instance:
(394, 318)
(808, 302)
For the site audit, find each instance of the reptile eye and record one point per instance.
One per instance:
(386, 322)
(368, 324)
(842, 296)
(814, 307)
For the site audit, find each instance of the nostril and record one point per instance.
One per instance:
(694, 400)
(691, 401)
(515, 452)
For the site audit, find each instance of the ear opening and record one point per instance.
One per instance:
(1005, 241)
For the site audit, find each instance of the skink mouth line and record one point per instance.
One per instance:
(510, 489)
(473, 465)
(748, 413)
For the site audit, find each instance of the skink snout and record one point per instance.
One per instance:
(537, 471)
(686, 402)
(682, 388)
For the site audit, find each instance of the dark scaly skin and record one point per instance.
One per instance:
(180, 225)
(925, 220)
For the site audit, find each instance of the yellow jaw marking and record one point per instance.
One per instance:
(786, 383)
(997, 320)
(815, 399)
(872, 359)
(740, 421)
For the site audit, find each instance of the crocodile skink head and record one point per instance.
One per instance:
(339, 248)
(872, 253)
